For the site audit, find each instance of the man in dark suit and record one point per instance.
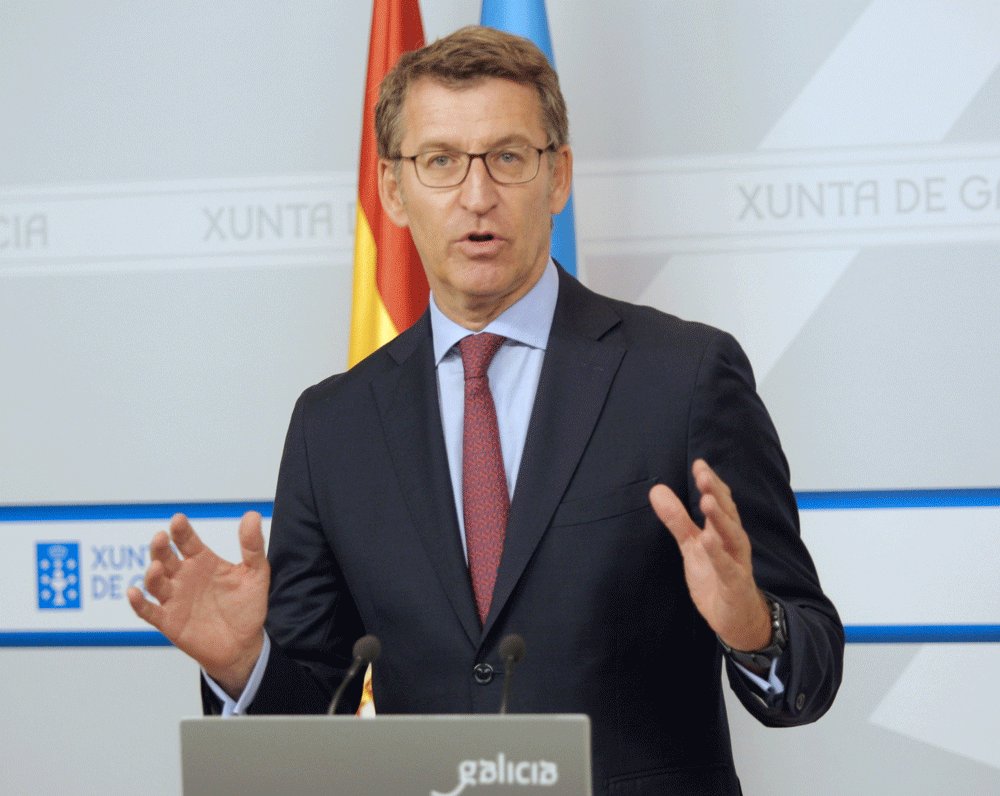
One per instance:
(590, 523)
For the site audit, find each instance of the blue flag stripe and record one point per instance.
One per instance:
(528, 18)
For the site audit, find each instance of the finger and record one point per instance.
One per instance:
(160, 550)
(157, 583)
(723, 555)
(184, 537)
(709, 483)
(252, 540)
(733, 540)
(671, 511)
(144, 609)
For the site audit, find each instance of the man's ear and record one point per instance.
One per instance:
(562, 178)
(391, 192)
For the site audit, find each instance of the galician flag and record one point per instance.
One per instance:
(528, 18)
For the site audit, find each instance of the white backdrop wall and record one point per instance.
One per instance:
(820, 178)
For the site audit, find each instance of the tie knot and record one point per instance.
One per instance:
(477, 352)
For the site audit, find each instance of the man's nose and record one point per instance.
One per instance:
(479, 191)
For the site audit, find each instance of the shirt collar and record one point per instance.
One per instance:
(527, 321)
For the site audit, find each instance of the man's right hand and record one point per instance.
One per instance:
(210, 609)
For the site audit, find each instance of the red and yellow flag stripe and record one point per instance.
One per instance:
(390, 289)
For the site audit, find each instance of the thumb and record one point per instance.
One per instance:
(252, 540)
(671, 511)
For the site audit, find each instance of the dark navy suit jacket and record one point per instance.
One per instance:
(365, 539)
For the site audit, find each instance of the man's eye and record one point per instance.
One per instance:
(509, 157)
(441, 160)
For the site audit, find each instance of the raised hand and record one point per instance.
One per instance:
(717, 563)
(209, 608)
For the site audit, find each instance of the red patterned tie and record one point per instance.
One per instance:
(485, 499)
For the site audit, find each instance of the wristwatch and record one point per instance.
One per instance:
(763, 658)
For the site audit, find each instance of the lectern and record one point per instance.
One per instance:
(526, 755)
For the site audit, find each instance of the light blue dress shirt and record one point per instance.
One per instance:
(513, 376)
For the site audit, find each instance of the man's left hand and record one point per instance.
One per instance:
(717, 563)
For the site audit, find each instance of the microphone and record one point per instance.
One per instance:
(366, 650)
(511, 651)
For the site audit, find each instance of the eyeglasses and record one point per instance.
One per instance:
(508, 165)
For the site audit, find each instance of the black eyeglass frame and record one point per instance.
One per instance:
(472, 156)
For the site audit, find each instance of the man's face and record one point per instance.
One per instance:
(483, 245)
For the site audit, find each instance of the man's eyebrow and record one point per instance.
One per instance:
(437, 146)
(514, 139)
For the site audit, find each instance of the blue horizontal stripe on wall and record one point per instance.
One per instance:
(899, 499)
(808, 501)
(856, 634)
(921, 634)
(133, 511)
(86, 638)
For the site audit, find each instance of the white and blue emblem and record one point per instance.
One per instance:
(58, 574)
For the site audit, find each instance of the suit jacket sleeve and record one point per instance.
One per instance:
(731, 430)
(311, 617)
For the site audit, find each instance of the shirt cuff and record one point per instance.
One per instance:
(238, 707)
(772, 686)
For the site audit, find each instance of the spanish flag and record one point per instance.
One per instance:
(390, 289)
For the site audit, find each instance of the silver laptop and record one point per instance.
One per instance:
(386, 755)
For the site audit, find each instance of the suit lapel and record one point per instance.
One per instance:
(407, 402)
(578, 371)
